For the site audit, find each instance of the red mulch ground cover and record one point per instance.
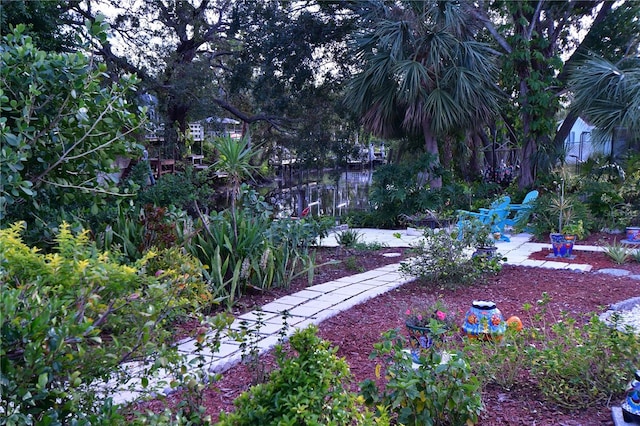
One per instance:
(356, 330)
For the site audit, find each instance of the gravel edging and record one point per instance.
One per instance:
(628, 312)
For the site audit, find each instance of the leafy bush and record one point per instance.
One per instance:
(362, 219)
(611, 191)
(170, 189)
(574, 364)
(264, 254)
(499, 361)
(443, 258)
(437, 392)
(179, 270)
(396, 189)
(136, 230)
(62, 126)
(56, 311)
(546, 210)
(310, 387)
(570, 371)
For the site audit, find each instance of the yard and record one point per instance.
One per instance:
(356, 330)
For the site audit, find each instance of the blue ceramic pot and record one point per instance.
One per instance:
(420, 340)
(562, 245)
(484, 320)
(633, 234)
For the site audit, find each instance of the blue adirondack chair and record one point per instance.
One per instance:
(494, 217)
(522, 210)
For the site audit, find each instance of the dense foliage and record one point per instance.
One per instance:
(69, 318)
(443, 259)
(439, 391)
(63, 125)
(133, 257)
(310, 387)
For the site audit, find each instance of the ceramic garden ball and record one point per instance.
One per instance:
(484, 320)
(515, 323)
(631, 404)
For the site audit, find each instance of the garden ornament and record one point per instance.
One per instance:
(631, 404)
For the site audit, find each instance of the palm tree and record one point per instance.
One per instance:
(423, 73)
(234, 158)
(608, 95)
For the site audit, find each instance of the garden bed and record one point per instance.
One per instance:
(356, 330)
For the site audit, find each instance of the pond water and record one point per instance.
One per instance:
(323, 194)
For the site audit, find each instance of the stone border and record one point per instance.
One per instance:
(625, 305)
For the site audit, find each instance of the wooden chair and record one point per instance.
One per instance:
(522, 211)
(494, 217)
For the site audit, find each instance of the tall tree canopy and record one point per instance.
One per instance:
(42, 18)
(423, 73)
(534, 36)
(608, 94)
(250, 59)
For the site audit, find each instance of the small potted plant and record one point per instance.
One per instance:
(427, 326)
(482, 238)
(563, 206)
(573, 230)
(632, 232)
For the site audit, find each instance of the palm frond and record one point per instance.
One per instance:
(608, 95)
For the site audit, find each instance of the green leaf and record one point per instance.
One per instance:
(43, 379)
(12, 139)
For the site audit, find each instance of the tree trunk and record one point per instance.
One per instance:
(431, 146)
(564, 130)
(528, 164)
(475, 165)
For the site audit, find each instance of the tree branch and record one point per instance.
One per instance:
(534, 19)
(84, 188)
(602, 14)
(275, 121)
(482, 17)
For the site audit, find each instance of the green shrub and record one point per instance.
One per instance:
(500, 362)
(181, 271)
(262, 253)
(546, 214)
(136, 230)
(363, 219)
(578, 366)
(175, 189)
(351, 263)
(56, 311)
(434, 393)
(370, 246)
(443, 258)
(64, 154)
(310, 387)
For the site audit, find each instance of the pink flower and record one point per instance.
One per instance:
(441, 315)
(408, 312)
(419, 317)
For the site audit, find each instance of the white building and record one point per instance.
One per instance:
(579, 146)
